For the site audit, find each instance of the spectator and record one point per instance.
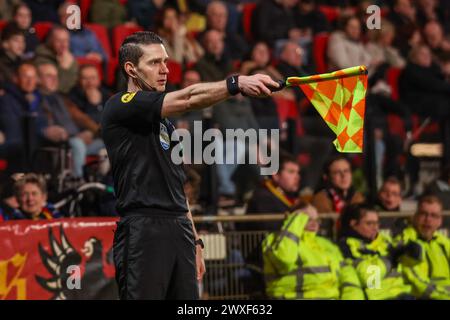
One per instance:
(215, 64)
(260, 58)
(11, 53)
(291, 64)
(380, 103)
(83, 42)
(338, 191)
(217, 17)
(277, 194)
(31, 193)
(179, 45)
(234, 113)
(89, 97)
(380, 46)
(434, 37)
(362, 242)
(21, 101)
(428, 10)
(22, 17)
(389, 195)
(265, 110)
(44, 10)
(441, 188)
(192, 190)
(345, 48)
(422, 85)
(57, 116)
(143, 12)
(430, 279)
(7, 8)
(298, 247)
(186, 120)
(274, 20)
(403, 16)
(8, 201)
(309, 19)
(56, 50)
(109, 13)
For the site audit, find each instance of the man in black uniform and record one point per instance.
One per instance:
(157, 252)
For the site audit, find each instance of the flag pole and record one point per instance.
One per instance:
(344, 73)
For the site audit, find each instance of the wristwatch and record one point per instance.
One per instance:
(199, 242)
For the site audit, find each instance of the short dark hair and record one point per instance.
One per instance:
(17, 6)
(355, 211)
(131, 50)
(391, 180)
(429, 198)
(52, 31)
(11, 30)
(333, 159)
(286, 157)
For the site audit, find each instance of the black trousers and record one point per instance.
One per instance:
(155, 258)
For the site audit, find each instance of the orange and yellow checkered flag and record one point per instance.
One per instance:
(339, 97)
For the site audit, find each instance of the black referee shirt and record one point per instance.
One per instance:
(137, 139)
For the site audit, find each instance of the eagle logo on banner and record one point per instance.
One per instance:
(65, 264)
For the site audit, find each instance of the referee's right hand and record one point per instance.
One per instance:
(258, 85)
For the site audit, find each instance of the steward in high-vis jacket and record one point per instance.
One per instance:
(375, 256)
(299, 264)
(430, 279)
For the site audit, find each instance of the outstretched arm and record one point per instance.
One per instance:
(203, 95)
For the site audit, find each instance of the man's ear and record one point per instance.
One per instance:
(353, 223)
(130, 69)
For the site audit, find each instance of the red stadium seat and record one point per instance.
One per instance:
(102, 35)
(320, 44)
(392, 76)
(42, 28)
(119, 34)
(175, 72)
(85, 6)
(247, 14)
(330, 12)
(3, 23)
(395, 122)
(287, 109)
(396, 125)
(3, 164)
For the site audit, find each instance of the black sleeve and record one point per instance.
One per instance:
(143, 106)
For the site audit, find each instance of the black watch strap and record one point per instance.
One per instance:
(233, 85)
(199, 242)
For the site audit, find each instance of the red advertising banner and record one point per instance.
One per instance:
(57, 259)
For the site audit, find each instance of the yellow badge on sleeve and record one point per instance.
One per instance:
(127, 97)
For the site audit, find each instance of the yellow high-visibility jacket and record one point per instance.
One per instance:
(298, 264)
(430, 279)
(380, 278)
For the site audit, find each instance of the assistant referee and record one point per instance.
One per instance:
(157, 252)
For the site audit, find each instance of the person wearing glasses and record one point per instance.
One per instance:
(431, 278)
(337, 191)
(378, 260)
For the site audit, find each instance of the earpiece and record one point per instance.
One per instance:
(142, 81)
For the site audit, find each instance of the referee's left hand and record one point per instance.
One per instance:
(200, 262)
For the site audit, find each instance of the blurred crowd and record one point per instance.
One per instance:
(54, 82)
